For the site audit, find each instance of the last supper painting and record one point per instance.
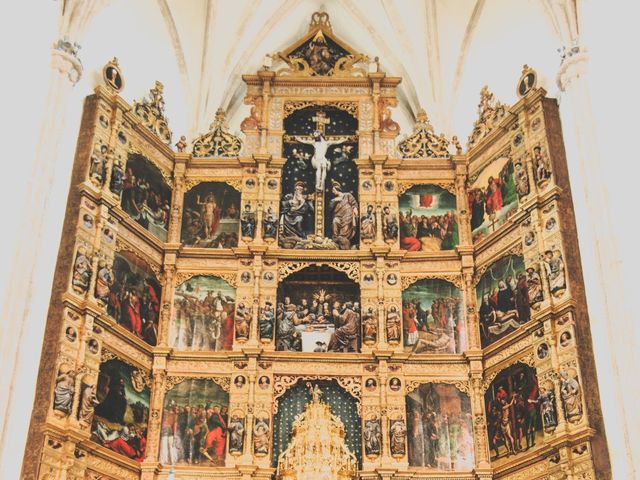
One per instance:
(318, 240)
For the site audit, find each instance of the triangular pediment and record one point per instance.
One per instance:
(320, 53)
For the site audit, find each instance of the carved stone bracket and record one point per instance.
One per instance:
(352, 269)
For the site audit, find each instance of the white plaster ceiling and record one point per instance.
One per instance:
(445, 50)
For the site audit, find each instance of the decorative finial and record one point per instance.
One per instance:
(320, 19)
(151, 112)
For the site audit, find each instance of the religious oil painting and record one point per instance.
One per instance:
(195, 422)
(146, 196)
(131, 293)
(506, 292)
(122, 410)
(512, 405)
(494, 195)
(319, 203)
(203, 313)
(433, 317)
(211, 216)
(428, 220)
(318, 310)
(342, 404)
(440, 427)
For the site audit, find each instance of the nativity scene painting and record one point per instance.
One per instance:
(428, 220)
(211, 216)
(319, 203)
(203, 313)
(513, 403)
(195, 424)
(506, 293)
(146, 197)
(122, 409)
(440, 428)
(433, 318)
(318, 310)
(494, 195)
(131, 294)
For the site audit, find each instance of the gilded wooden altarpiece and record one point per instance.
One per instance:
(439, 287)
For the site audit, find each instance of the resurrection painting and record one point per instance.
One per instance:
(428, 220)
(122, 410)
(433, 318)
(195, 422)
(203, 313)
(505, 293)
(494, 195)
(131, 293)
(318, 311)
(146, 197)
(512, 404)
(440, 428)
(211, 216)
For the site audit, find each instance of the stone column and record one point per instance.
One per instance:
(33, 260)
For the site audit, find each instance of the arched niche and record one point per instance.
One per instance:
(495, 193)
(146, 196)
(433, 317)
(122, 411)
(326, 209)
(211, 217)
(505, 295)
(318, 310)
(428, 219)
(202, 316)
(440, 427)
(194, 424)
(131, 293)
(342, 404)
(512, 404)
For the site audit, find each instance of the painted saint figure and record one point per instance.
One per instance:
(319, 160)
(248, 222)
(398, 435)
(64, 390)
(267, 319)
(296, 220)
(571, 396)
(261, 431)
(236, 434)
(269, 223)
(389, 224)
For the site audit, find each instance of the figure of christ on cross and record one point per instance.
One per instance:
(319, 161)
